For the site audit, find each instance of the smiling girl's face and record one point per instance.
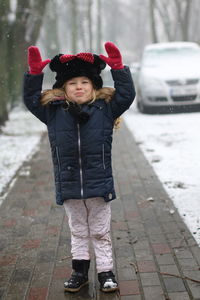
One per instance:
(79, 89)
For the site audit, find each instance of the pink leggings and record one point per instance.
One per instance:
(89, 219)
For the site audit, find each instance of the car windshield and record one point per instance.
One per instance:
(155, 57)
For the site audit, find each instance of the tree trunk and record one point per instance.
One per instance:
(74, 30)
(99, 26)
(50, 35)
(4, 36)
(153, 22)
(186, 20)
(89, 15)
(15, 36)
(24, 31)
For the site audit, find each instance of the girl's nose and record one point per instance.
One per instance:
(79, 86)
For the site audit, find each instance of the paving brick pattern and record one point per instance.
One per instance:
(148, 241)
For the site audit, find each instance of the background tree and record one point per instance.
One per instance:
(4, 31)
(99, 26)
(194, 29)
(20, 27)
(89, 15)
(74, 27)
(173, 20)
(152, 21)
(60, 26)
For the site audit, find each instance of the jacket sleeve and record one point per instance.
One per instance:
(124, 91)
(32, 87)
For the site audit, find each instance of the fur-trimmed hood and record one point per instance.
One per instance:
(106, 93)
(48, 96)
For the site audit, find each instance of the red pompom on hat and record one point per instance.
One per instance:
(83, 56)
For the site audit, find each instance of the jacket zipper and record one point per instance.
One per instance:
(80, 161)
(103, 154)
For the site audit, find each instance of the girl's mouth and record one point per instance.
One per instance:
(79, 94)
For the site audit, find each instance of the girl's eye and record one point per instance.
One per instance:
(85, 81)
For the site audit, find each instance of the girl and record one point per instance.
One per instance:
(80, 115)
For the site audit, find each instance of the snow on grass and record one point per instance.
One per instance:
(171, 143)
(18, 142)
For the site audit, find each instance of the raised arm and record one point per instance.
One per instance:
(123, 82)
(33, 83)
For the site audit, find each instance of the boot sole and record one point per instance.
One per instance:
(76, 289)
(110, 290)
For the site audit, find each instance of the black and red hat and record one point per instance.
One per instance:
(82, 64)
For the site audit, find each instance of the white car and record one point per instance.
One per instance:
(168, 77)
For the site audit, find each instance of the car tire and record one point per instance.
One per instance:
(143, 108)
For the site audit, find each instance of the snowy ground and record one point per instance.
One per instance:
(18, 142)
(171, 143)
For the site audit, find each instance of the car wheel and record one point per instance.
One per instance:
(142, 108)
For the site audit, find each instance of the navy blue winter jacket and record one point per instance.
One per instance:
(81, 153)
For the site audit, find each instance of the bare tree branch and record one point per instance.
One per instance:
(165, 17)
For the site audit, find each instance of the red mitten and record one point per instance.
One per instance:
(114, 59)
(36, 65)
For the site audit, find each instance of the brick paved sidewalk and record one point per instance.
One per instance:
(147, 239)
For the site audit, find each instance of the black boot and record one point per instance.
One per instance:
(79, 276)
(107, 282)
